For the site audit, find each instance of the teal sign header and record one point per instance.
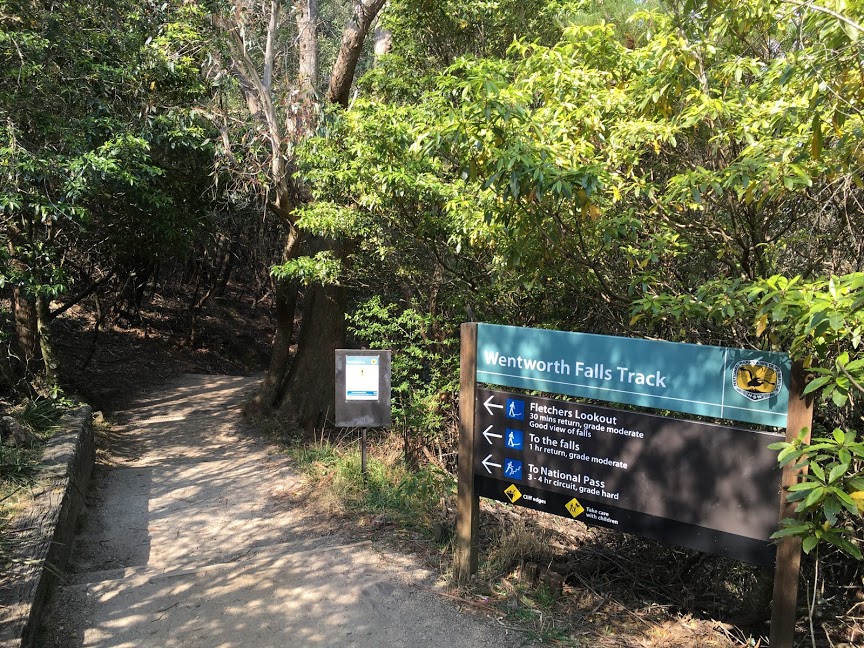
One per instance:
(736, 384)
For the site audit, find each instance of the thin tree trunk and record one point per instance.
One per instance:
(269, 51)
(12, 375)
(307, 29)
(46, 343)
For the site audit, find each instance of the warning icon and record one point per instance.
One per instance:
(574, 507)
(512, 493)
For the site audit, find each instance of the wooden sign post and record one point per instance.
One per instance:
(784, 604)
(467, 501)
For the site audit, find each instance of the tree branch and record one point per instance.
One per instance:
(854, 382)
(269, 51)
(353, 37)
(825, 10)
(283, 201)
(80, 296)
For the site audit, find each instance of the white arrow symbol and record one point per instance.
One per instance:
(486, 463)
(488, 435)
(489, 405)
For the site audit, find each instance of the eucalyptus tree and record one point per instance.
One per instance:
(270, 67)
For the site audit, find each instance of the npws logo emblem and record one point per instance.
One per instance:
(757, 379)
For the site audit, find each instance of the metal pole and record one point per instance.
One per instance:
(363, 453)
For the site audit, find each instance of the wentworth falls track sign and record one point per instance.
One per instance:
(709, 487)
(735, 384)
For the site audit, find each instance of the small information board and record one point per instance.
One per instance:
(362, 388)
(362, 375)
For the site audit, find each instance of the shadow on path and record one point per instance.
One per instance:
(189, 542)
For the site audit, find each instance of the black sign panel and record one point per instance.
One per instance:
(703, 486)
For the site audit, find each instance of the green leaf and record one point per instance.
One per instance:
(837, 471)
(846, 500)
(816, 139)
(842, 543)
(817, 471)
(789, 453)
(831, 508)
(816, 383)
(803, 486)
(790, 531)
(815, 495)
(809, 544)
(839, 397)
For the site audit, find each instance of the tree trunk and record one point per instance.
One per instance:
(310, 388)
(46, 344)
(273, 387)
(350, 49)
(26, 342)
(26, 329)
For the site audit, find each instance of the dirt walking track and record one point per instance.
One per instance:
(191, 540)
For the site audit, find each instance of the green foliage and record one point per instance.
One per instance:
(19, 462)
(664, 179)
(431, 35)
(831, 497)
(103, 162)
(820, 321)
(322, 269)
(424, 364)
(40, 415)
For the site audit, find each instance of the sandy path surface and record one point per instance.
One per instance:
(189, 541)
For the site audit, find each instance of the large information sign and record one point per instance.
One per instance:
(703, 486)
(714, 488)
